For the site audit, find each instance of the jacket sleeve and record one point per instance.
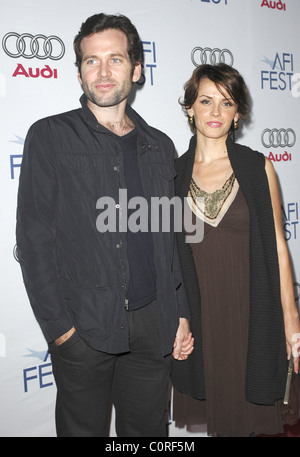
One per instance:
(183, 305)
(36, 231)
(184, 310)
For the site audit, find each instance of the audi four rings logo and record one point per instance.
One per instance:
(278, 138)
(212, 56)
(29, 46)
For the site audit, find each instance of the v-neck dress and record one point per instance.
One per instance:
(222, 264)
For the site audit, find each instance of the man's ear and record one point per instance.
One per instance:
(137, 72)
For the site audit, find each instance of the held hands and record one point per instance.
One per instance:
(294, 349)
(184, 342)
(292, 333)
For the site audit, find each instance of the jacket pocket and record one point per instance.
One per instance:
(166, 171)
(90, 307)
(79, 163)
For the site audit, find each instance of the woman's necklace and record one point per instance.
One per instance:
(214, 201)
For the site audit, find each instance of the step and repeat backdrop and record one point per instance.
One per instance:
(38, 78)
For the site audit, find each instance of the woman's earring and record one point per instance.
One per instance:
(236, 125)
(191, 120)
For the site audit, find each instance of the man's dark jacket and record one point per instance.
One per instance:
(75, 275)
(266, 361)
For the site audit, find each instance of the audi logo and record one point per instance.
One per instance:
(278, 138)
(212, 56)
(29, 46)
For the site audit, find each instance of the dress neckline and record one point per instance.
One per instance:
(212, 206)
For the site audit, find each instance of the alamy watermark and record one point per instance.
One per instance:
(160, 215)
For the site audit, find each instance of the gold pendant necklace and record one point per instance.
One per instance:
(214, 201)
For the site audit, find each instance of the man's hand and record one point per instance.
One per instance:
(184, 342)
(62, 339)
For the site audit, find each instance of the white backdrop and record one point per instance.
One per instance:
(259, 37)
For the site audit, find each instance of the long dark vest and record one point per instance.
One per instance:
(266, 360)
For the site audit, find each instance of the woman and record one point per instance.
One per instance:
(238, 279)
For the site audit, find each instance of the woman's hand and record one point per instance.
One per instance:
(292, 334)
(184, 342)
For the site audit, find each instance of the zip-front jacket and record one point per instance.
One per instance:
(74, 274)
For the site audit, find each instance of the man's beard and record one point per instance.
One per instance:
(105, 99)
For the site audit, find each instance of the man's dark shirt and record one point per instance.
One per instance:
(140, 249)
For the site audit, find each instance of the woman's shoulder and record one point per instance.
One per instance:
(246, 153)
(180, 160)
(246, 149)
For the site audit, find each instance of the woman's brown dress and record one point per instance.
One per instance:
(222, 263)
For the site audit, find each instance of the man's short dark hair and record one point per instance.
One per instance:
(101, 22)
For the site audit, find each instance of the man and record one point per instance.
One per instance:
(110, 303)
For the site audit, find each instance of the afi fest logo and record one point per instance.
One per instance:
(29, 47)
(39, 375)
(149, 48)
(281, 73)
(290, 220)
(16, 159)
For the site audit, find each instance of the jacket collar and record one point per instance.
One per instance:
(141, 125)
(89, 117)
